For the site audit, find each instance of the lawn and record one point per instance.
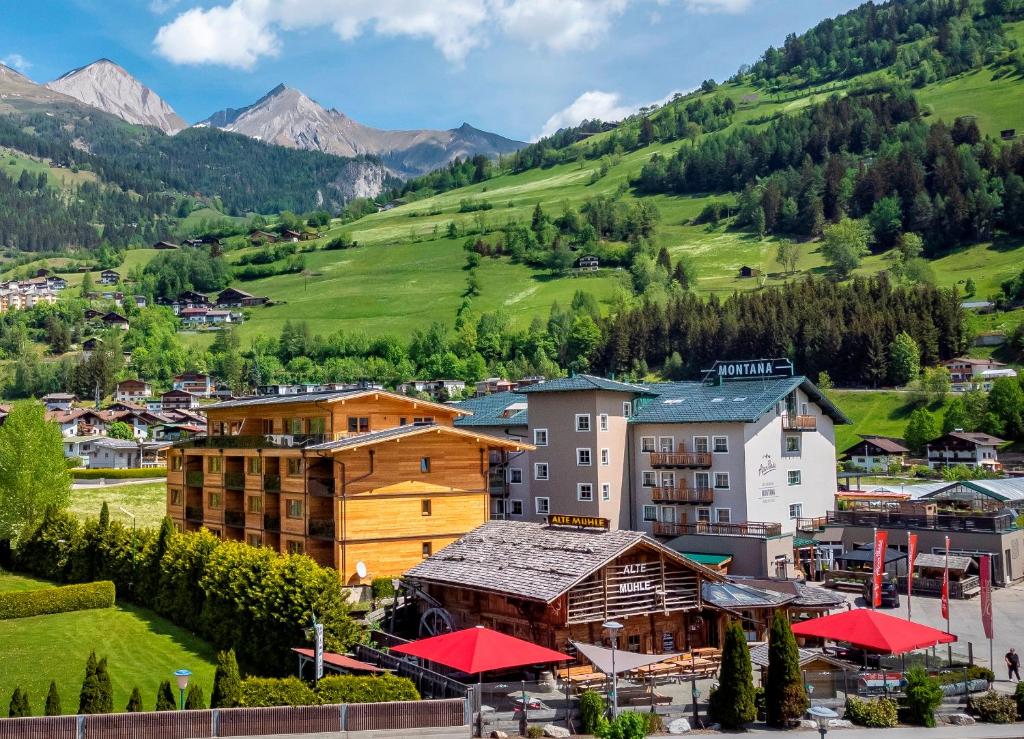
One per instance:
(9, 582)
(882, 412)
(142, 649)
(147, 501)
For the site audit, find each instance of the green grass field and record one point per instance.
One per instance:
(146, 501)
(882, 412)
(141, 648)
(10, 583)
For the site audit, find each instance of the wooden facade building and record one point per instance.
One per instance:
(365, 481)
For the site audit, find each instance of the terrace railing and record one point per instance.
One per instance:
(272, 483)
(271, 523)
(254, 441)
(799, 423)
(194, 478)
(321, 487)
(234, 518)
(193, 513)
(321, 528)
(682, 494)
(756, 529)
(234, 480)
(936, 521)
(680, 459)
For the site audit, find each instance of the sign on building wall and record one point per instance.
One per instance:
(628, 588)
(579, 522)
(766, 472)
(748, 369)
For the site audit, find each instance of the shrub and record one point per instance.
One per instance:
(732, 703)
(194, 699)
(366, 689)
(1018, 696)
(105, 697)
(134, 702)
(923, 696)
(269, 691)
(996, 708)
(880, 713)
(57, 600)
(534, 732)
(19, 705)
(655, 723)
(628, 725)
(165, 697)
(118, 474)
(382, 587)
(785, 695)
(88, 697)
(592, 708)
(227, 683)
(52, 701)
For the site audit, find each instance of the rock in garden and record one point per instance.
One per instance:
(556, 731)
(808, 724)
(840, 723)
(498, 734)
(960, 719)
(679, 726)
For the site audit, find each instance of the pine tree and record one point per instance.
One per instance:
(227, 683)
(105, 702)
(194, 698)
(53, 701)
(785, 697)
(134, 702)
(165, 697)
(19, 705)
(104, 515)
(90, 687)
(732, 704)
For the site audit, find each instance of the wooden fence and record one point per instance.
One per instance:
(230, 722)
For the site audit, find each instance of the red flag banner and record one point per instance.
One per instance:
(985, 578)
(911, 556)
(945, 584)
(881, 542)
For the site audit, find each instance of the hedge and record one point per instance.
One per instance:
(57, 600)
(880, 713)
(995, 708)
(258, 692)
(99, 473)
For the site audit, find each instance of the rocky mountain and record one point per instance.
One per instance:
(111, 88)
(287, 117)
(17, 91)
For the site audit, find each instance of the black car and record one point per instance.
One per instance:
(890, 594)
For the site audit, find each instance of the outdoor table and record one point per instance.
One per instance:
(587, 678)
(659, 669)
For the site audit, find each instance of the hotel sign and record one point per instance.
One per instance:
(747, 369)
(579, 522)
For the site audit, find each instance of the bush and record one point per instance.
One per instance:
(655, 723)
(785, 695)
(880, 713)
(534, 732)
(732, 703)
(592, 708)
(258, 692)
(52, 701)
(923, 696)
(19, 707)
(382, 587)
(118, 474)
(996, 708)
(134, 702)
(366, 689)
(227, 683)
(628, 725)
(165, 697)
(194, 699)
(57, 600)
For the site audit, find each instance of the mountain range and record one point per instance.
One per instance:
(284, 117)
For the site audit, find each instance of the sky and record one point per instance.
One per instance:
(521, 68)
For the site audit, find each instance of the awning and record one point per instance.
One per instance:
(709, 560)
(341, 661)
(800, 542)
(957, 562)
(624, 661)
(478, 650)
(873, 631)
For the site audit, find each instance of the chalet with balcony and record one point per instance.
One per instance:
(110, 277)
(195, 383)
(133, 391)
(877, 452)
(972, 449)
(359, 477)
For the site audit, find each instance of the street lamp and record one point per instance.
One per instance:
(822, 716)
(614, 627)
(182, 677)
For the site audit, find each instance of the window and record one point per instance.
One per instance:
(540, 437)
(542, 506)
(701, 480)
(721, 444)
(421, 420)
(295, 547)
(650, 479)
(668, 514)
(703, 515)
(724, 515)
(605, 457)
(666, 444)
(583, 422)
(293, 425)
(254, 540)
(403, 421)
(606, 491)
(214, 500)
(424, 464)
(540, 471)
(646, 443)
(515, 475)
(358, 424)
(255, 465)
(294, 466)
(427, 549)
(318, 425)
(793, 477)
(627, 408)
(582, 457)
(722, 480)
(175, 496)
(793, 444)
(267, 425)
(602, 422)
(633, 642)
(176, 461)
(213, 464)
(668, 479)
(425, 507)
(517, 507)
(700, 444)
(584, 491)
(215, 531)
(255, 504)
(796, 510)
(294, 509)
(650, 513)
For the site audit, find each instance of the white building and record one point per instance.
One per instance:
(971, 449)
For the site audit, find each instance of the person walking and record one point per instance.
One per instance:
(1013, 664)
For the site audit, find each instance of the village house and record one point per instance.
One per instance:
(964, 370)
(177, 398)
(115, 320)
(59, 401)
(195, 383)
(746, 271)
(588, 263)
(234, 298)
(971, 449)
(441, 390)
(877, 452)
(494, 385)
(121, 454)
(110, 277)
(165, 245)
(257, 237)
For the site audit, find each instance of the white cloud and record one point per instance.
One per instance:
(563, 25)
(232, 35)
(16, 61)
(717, 6)
(593, 104)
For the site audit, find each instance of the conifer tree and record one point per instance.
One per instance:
(227, 683)
(53, 701)
(134, 702)
(165, 697)
(104, 516)
(785, 697)
(105, 703)
(19, 704)
(194, 698)
(732, 704)
(90, 687)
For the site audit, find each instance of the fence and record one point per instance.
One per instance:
(230, 722)
(428, 682)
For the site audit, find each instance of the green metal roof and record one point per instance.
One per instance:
(585, 382)
(493, 410)
(707, 559)
(799, 541)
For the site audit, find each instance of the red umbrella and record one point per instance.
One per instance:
(874, 631)
(479, 650)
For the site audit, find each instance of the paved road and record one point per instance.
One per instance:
(978, 731)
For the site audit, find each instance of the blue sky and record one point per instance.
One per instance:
(517, 67)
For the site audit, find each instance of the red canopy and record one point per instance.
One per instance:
(479, 650)
(873, 631)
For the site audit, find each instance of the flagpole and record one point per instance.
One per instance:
(910, 572)
(874, 567)
(945, 580)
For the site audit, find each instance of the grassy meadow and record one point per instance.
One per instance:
(146, 501)
(882, 412)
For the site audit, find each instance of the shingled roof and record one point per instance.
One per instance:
(496, 409)
(585, 382)
(400, 432)
(532, 560)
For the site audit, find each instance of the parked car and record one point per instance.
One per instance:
(890, 594)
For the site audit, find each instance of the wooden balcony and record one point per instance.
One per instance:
(194, 513)
(682, 494)
(271, 523)
(756, 529)
(194, 478)
(321, 528)
(680, 458)
(235, 518)
(322, 488)
(234, 481)
(272, 483)
(799, 423)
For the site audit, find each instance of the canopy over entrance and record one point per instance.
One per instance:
(478, 650)
(873, 631)
(624, 661)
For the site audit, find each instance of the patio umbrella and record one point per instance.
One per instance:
(873, 631)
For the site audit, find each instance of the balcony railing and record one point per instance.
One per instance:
(682, 494)
(235, 518)
(757, 529)
(321, 528)
(194, 478)
(680, 459)
(271, 523)
(321, 487)
(799, 423)
(272, 483)
(808, 525)
(193, 513)
(254, 441)
(234, 480)
(936, 521)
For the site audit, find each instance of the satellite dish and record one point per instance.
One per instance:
(361, 568)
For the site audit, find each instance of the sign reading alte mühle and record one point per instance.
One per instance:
(580, 522)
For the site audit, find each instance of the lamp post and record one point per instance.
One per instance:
(822, 716)
(614, 627)
(182, 677)
(125, 511)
